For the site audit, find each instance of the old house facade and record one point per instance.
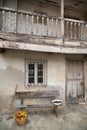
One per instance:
(43, 45)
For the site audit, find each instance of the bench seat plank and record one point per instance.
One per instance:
(43, 94)
(34, 106)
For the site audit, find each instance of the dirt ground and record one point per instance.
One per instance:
(72, 117)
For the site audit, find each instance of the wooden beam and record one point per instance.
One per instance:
(62, 8)
(62, 21)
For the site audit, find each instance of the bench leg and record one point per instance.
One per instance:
(21, 101)
(21, 104)
(56, 110)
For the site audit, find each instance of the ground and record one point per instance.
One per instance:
(72, 117)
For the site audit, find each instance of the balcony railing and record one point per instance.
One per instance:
(29, 23)
(75, 30)
(23, 22)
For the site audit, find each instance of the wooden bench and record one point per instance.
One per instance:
(40, 94)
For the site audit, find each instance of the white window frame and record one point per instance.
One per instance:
(35, 62)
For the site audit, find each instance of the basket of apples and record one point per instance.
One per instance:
(21, 117)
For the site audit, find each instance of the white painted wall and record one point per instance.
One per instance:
(12, 69)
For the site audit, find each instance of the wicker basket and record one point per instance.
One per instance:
(21, 122)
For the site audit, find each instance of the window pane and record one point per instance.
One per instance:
(40, 66)
(40, 73)
(31, 80)
(31, 66)
(31, 72)
(40, 80)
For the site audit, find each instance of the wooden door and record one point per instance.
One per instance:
(75, 81)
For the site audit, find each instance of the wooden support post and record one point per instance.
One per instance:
(62, 21)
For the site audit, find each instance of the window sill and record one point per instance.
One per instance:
(35, 86)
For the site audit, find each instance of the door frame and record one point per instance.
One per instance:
(73, 59)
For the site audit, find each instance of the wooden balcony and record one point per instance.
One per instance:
(23, 26)
(23, 22)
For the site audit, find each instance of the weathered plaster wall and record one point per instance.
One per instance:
(12, 67)
(12, 72)
(56, 73)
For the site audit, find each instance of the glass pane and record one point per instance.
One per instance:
(40, 73)
(40, 80)
(31, 72)
(31, 80)
(40, 66)
(31, 66)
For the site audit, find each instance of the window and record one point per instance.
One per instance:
(35, 73)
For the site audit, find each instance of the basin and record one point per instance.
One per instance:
(57, 102)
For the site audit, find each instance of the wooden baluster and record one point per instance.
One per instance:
(86, 31)
(3, 21)
(52, 27)
(9, 21)
(42, 25)
(27, 21)
(15, 23)
(47, 26)
(67, 29)
(56, 27)
(75, 30)
(82, 31)
(37, 25)
(21, 18)
(71, 30)
(79, 29)
(32, 20)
